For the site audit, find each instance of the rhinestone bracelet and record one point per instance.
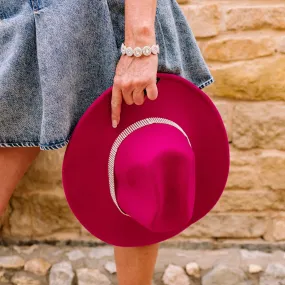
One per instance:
(137, 51)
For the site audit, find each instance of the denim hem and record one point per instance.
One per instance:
(206, 83)
(52, 146)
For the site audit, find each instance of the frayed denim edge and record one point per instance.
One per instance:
(208, 82)
(34, 144)
(66, 141)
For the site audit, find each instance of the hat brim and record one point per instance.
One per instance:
(85, 165)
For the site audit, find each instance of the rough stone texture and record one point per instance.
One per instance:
(75, 254)
(253, 268)
(193, 269)
(274, 275)
(242, 170)
(276, 231)
(11, 262)
(41, 214)
(204, 19)
(46, 169)
(110, 266)
(232, 49)
(259, 125)
(258, 200)
(258, 79)
(37, 266)
(272, 169)
(61, 274)
(251, 18)
(281, 46)
(175, 275)
(25, 278)
(91, 276)
(223, 275)
(99, 252)
(225, 109)
(171, 266)
(228, 226)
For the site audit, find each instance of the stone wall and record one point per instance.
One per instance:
(244, 45)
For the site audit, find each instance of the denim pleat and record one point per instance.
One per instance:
(58, 56)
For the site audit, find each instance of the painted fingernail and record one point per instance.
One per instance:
(114, 124)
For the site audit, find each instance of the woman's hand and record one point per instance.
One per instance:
(133, 75)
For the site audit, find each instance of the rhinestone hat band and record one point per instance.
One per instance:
(123, 135)
(138, 51)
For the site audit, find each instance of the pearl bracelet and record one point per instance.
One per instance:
(137, 51)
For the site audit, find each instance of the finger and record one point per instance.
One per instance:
(127, 96)
(138, 96)
(127, 90)
(152, 91)
(116, 103)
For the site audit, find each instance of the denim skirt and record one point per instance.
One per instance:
(58, 56)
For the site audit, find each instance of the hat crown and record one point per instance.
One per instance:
(155, 177)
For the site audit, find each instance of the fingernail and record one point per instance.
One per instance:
(114, 124)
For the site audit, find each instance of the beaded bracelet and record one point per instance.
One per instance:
(137, 51)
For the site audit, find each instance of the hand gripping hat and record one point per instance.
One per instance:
(162, 169)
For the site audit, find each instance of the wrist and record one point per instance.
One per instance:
(140, 36)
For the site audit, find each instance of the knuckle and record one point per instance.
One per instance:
(126, 84)
(117, 81)
(114, 103)
(140, 82)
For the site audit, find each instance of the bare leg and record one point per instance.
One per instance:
(135, 265)
(14, 162)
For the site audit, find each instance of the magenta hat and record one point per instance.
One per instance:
(163, 168)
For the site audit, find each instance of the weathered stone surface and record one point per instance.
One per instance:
(254, 268)
(225, 109)
(242, 169)
(175, 275)
(101, 251)
(228, 226)
(91, 276)
(75, 255)
(193, 269)
(11, 262)
(255, 200)
(255, 17)
(274, 275)
(231, 49)
(254, 255)
(110, 266)
(281, 46)
(61, 274)
(3, 277)
(37, 266)
(25, 278)
(27, 250)
(276, 231)
(259, 79)
(272, 167)
(46, 168)
(259, 125)
(41, 214)
(223, 275)
(203, 19)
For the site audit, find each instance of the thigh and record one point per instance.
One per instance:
(14, 162)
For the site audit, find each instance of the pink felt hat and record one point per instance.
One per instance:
(163, 168)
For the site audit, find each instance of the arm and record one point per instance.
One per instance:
(139, 22)
(134, 74)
